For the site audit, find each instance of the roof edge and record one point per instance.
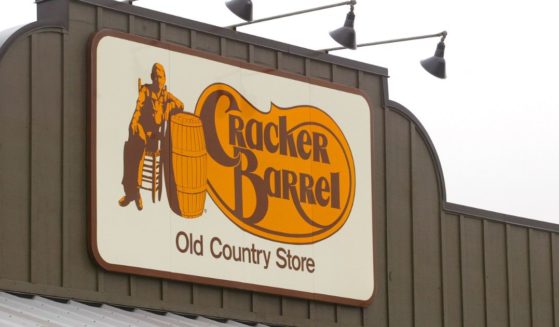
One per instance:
(10, 36)
(500, 217)
(234, 35)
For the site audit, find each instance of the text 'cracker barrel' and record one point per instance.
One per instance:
(189, 163)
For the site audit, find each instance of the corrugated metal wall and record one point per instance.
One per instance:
(436, 264)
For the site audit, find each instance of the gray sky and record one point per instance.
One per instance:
(495, 119)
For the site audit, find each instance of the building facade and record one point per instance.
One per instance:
(435, 263)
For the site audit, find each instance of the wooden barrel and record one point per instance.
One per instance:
(189, 163)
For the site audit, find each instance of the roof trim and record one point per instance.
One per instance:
(234, 35)
(459, 209)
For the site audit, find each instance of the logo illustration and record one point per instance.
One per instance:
(188, 164)
(286, 175)
(147, 151)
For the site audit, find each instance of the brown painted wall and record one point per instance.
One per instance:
(437, 264)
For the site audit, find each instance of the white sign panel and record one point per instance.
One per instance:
(215, 171)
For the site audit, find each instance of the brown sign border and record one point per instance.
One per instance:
(92, 170)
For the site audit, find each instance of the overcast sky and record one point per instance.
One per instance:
(495, 119)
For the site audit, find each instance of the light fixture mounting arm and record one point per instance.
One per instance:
(441, 34)
(351, 2)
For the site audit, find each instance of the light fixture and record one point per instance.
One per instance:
(241, 8)
(435, 65)
(344, 35)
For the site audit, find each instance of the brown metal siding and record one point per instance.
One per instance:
(519, 276)
(495, 260)
(79, 271)
(452, 270)
(427, 274)
(399, 245)
(433, 266)
(473, 281)
(378, 312)
(15, 162)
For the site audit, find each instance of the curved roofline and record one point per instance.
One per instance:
(459, 209)
(7, 33)
(11, 35)
(427, 139)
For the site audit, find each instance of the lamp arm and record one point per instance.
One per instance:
(351, 2)
(441, 34)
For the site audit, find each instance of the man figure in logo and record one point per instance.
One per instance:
(153, 107)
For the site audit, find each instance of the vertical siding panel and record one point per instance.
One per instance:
(114, 20)
(148, 289)
(295, 308)
(264, 56)
(399, 224)
(377, 313)
(473, 288)
(15, 89)
(206, 42)
(207, 296)
(266, 305)
(496, 274)
(349, 316)
(164, 285)
(146, 27)
(131, 24)
(162, 32)
(223, 47)
(179, 293)
(65, 232)
(441, 266)
(115, 285)
(99, 22)
(519, 278)
(555, 276)
(79, 270)
(426, 236)
(540, 276)
(320, 70)
(342, 75)
(323, 312)
(46, 147)
(237, 50)
(177, 35)
(452, 271)
(296, 64)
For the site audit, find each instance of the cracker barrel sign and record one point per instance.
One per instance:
(210, 170)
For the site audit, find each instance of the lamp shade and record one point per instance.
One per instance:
(345, 35)
(436, 65)
(241, 8)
